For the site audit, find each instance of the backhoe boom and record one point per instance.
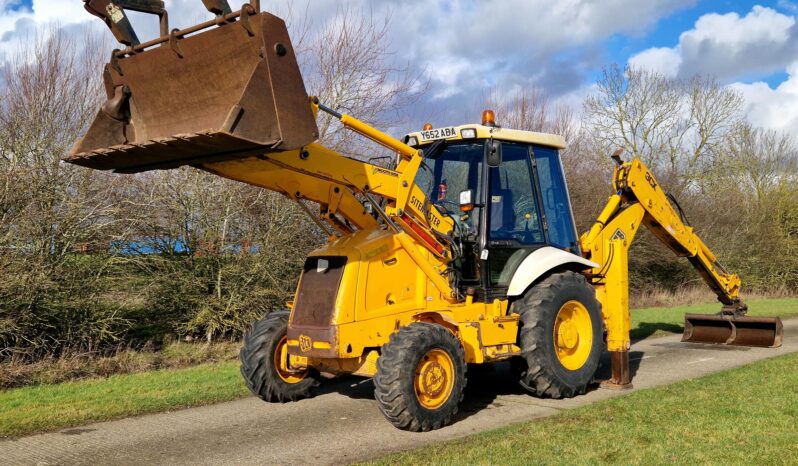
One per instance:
(640, 200)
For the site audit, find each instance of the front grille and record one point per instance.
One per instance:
(318, 288)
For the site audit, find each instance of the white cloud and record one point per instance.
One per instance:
(729, 46)
(739, 48)
(663, 60)
(772, 108)
(464, 46)
(63, 12)
(20, 24)
(518, 39)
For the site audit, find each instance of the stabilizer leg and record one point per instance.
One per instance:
(621, 376)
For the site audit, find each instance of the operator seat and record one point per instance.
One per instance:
(502, 211)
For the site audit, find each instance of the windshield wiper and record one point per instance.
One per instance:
(434, 149)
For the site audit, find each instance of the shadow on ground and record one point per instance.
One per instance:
(485, 383)
(646, 329)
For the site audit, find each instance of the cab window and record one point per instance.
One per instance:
(556, 205)
(456, 168)
(514, 215)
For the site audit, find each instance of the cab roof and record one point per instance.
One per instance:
(484, 132)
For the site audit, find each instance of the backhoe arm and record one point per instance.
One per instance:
(639, 200)
(634, 184)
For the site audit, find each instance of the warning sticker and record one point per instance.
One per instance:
(114, 12)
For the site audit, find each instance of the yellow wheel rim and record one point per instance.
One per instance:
(281, 364)
(573, 335)
(434, 379)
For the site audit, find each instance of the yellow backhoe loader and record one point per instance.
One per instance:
(464, 251)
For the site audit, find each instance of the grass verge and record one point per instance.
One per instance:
(74, 366)
(45, 407)
(663, 320)
(743, 416)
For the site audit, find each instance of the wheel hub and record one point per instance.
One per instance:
(282, 367)
(568, 336)
(434, 379)
(573, 335)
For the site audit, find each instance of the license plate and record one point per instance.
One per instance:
(438, 133)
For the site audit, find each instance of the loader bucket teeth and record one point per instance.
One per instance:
(738, 331)
(224, 89)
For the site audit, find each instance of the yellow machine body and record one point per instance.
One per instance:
(381, 290)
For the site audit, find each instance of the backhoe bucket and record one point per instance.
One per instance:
(728, 330)
(224, 89)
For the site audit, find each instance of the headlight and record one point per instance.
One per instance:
(411, 141)
(468, 133)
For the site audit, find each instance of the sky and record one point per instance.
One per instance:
(465, 48)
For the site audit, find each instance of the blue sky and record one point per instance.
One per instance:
(466, 47)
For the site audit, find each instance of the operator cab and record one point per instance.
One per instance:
(506, 192)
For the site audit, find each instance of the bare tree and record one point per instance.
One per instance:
(49, 210)
(350, 65)
(676, 126)
(762, 161)
(217, 253)
(527, 109)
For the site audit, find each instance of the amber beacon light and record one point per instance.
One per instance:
(488, 118)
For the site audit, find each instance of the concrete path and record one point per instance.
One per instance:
(342, 424)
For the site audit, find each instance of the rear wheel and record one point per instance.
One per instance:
(265, 365)
(560, 336)
(420, 377)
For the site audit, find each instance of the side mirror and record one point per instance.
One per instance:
(493, 151)
(467, 200)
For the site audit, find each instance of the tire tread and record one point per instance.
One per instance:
(396, 365)
(538, 377)
(257, 366)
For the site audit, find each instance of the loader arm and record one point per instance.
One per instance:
(321, 175)
(227, 96)
(640, 200)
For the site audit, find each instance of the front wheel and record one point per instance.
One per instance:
(560, 336)
(265, 365)
(420, 377)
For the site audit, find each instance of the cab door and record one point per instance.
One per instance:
(528, 208)
(515, 224)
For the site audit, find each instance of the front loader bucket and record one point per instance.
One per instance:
(220, 90)
(728, 330)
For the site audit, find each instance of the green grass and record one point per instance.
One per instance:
(743, 416)
(45, 407)
(659, 320)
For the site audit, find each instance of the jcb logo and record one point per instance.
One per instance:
(650, 179)
(305, 343)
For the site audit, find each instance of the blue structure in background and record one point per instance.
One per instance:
(149, 245)
(166, 245)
